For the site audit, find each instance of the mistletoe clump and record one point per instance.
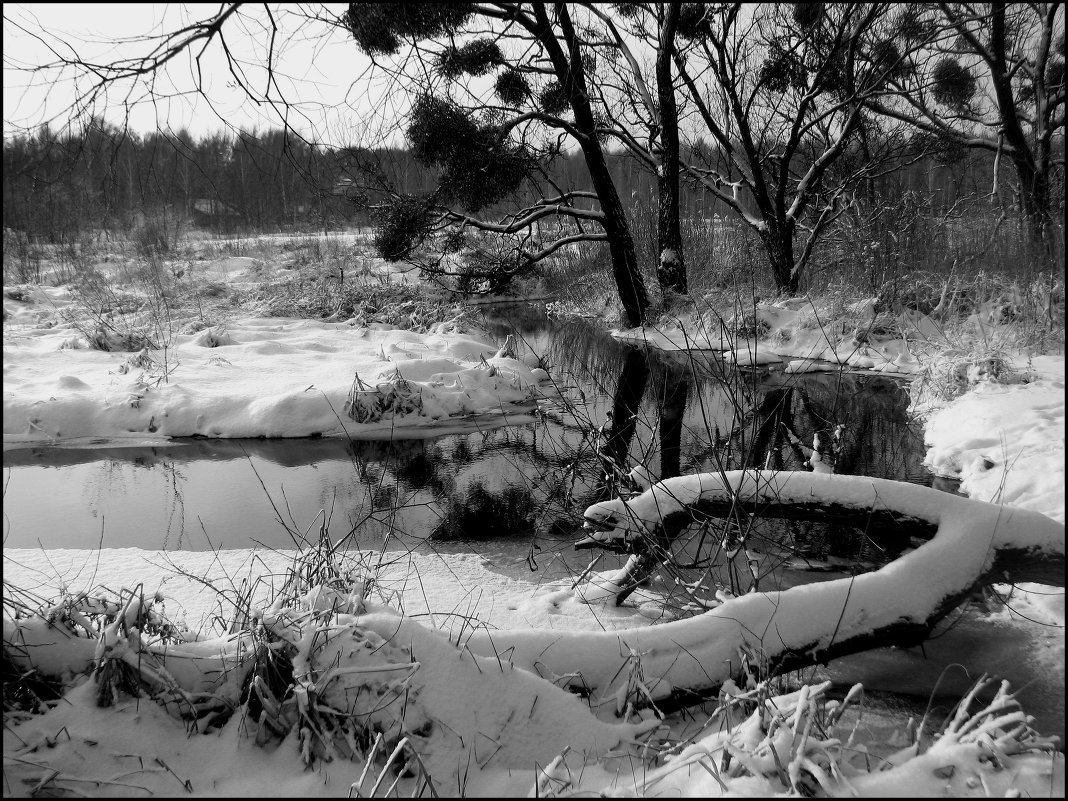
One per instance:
(401, 224)
(378, 28)
(553, 99)
(806, 15)
(479, 164)
(782, 70)
(474, 58)
(511, 87)
(694, 21)
(953, 84)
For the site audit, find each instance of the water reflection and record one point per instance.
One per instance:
(621, 406)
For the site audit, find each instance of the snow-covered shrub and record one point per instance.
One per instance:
(111, 340)
(748, 325)
(213, 337)
(367, 404)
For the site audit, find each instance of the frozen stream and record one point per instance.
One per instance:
(532, 481)
(514, 495)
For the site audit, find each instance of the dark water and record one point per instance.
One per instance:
(525, 483)
(517, 493)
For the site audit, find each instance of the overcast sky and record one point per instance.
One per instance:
(318, 68)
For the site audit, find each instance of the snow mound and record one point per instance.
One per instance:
(1005, 442)
(262, 377)
(791, 330)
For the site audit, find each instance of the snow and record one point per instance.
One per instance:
(1005, 442)
(795, 331)
(260, 377)
(456, 582)
(907, 589)
(675, 339)
(493, 654)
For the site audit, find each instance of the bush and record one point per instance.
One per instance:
(150, 238)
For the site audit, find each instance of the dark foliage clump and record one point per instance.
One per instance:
(496, 170)
(553, 99)
(627, 10)
(401, 224)
(479, 165)
(781, 70)
(601, 124)
(887, 59)
(830, 72)
(512, 88)
(440, 131)
(943, 149)
(913, 25)
(807, 15)
(694, 21)
(454, 241)
(379, 27)
(474, 58)
(953, 84)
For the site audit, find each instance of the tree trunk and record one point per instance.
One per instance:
(779, 244)
(971, 542)
(1034, 199)
(671, 271)
(628, 278)
(1034, 183)
(572, 77)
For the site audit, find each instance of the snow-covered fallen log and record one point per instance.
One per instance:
(970, 542)
(324, 674)
(336, 675)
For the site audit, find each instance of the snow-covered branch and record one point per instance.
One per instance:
(971, 542)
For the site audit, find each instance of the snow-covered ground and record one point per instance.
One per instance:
(790, 333)
(496, 729)
(1006, 441)
(259, 377)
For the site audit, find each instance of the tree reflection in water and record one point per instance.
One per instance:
(622, 406)
(856, 424)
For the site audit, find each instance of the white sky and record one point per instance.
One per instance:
(319, 70)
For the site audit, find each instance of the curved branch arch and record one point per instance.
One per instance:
(969, 542)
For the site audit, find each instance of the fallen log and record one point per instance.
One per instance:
(969, 543)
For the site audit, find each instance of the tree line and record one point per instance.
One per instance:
(796, 108)
(543, 124)
(60, 186)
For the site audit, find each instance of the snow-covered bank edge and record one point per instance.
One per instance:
(342, 645)
(480, 708)
(265, 377)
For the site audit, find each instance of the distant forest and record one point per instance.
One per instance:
(59, 187)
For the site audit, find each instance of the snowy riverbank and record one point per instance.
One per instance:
(272, 377)
(260, 377)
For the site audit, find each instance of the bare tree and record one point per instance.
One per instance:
(630, 107)
(987, 77)
(781, 89)
(485, 147)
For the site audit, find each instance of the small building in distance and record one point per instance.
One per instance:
(212, 212)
